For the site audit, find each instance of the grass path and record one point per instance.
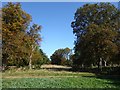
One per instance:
(43, 73)
(40, 76)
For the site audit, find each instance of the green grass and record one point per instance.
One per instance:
(56, 79)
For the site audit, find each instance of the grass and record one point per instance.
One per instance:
(56, 79)
(42, 73)
(53, 82)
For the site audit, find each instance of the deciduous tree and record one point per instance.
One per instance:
(60, 56)
(15, 21)
(96, 28)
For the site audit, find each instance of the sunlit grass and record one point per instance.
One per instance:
(39, 73)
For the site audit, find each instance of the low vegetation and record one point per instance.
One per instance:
(56, 79)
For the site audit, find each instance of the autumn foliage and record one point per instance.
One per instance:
(21, 41)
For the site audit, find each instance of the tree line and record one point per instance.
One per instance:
(97, 31)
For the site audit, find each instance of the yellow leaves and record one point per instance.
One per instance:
(16, 41)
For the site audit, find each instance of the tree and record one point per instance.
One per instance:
(33, 41)
(45, 59)
(20, 40)
(96, 28)
(60, 56)
(0, 37)
(15, 21)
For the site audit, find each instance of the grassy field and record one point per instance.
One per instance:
(56, 79)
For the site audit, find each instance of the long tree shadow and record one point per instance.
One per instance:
(114, 80)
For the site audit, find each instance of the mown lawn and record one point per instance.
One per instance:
(57, 79)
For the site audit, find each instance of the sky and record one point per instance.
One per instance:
(55, 19)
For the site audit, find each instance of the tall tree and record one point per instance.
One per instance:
(34, 41)
(96, 28)
(15, 21)
(0, 36)
(20, 41)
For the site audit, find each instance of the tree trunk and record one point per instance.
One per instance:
(92, 65)
(105, 63)
(3, 67)
(82, 65)
(30, 60)
(100, 64)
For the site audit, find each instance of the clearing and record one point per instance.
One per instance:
(56, 79)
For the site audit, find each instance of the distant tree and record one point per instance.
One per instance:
(96, 28)
(39, 58)
(60, 56)
(45, 59)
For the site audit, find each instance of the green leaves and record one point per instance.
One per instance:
(96, 28)
(60, 56)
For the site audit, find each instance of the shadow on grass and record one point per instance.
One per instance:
(114, 80)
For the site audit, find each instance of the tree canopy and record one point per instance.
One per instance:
(97, 30)
(21, 41)
(96, 27)
(60, 56)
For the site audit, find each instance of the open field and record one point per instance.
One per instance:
(57, 79)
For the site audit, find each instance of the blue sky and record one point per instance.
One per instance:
(55, 19)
